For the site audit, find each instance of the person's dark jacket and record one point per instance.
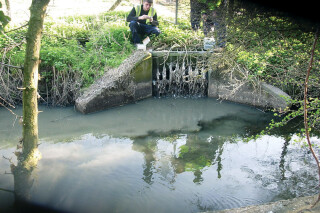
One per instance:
(132, 16)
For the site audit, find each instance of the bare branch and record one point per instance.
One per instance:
(306, 126)
(7, 102)
(17, 28)
(6, 190)
(12, 66)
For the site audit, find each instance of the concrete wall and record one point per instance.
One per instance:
(130, 82)
(236, 86)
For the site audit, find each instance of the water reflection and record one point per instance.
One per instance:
(152, 116)
(147, 146)
(172, 173)
(197, 154)
(283, 155)
(24, 175)
(183, 160)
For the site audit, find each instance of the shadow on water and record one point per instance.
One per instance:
(24, 178)
(157, 156)
(202, 149)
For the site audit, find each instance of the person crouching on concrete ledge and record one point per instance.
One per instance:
(143, 21)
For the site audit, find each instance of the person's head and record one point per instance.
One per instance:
(147, 4)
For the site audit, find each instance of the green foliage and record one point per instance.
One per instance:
(313, 112)
(272, 48)
(106, 48)
(96, 45)
(177, 36)
(275, 49)
(88, 45)
(83, 44)
(60, 55)
(183, 150)
(12, 47)
(76, 50)
(4, 20)
(115, 16)
(294, 114)
(192, 160)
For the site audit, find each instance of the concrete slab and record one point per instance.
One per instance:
(130, 82)
(235, 86)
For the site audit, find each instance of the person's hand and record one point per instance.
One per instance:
(204, 16)
(143, 17)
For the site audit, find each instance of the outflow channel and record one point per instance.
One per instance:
(180, 74)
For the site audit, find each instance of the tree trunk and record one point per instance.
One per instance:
(30, 74)
(115, 5)
(8, 8)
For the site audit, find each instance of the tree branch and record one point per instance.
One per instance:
(17, 28)
(6, 190)
(306, 126)
(8, 65)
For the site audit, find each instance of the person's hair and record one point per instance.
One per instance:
(149, 1)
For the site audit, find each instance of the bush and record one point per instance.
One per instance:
(86, 44)
(81, 47)
(274, 49)
(177, 37)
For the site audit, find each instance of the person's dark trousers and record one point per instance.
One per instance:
(220, 30)
(195, 14)
(138, 29)
(195, 20)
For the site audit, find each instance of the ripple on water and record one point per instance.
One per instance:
(160, 156)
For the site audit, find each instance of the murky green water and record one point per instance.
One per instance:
(159, 155)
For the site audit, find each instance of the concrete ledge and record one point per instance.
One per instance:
(278, 99)
(130, 82)
(177, 53)
(236, 88)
